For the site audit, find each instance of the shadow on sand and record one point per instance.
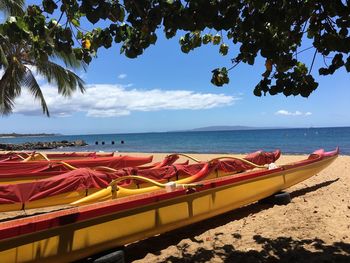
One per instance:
(281, 249)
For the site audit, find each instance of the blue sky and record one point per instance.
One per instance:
(166, 90)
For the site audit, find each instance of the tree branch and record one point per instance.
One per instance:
(313, 60)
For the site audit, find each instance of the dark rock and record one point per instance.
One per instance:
(80, 143)
(40, 145)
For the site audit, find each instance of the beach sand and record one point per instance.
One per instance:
(314, 227)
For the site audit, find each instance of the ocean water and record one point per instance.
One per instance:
(290, 141)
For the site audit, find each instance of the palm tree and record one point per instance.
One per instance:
(18, 62)
(13, 7)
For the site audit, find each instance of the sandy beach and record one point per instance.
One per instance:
(314, 227)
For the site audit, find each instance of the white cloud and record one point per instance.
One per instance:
(83, 75)
(122, 76)
(129, 85)
(289, 113)
(102, 100)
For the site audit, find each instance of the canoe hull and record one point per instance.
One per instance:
(71, 241)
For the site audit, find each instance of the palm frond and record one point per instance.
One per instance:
(3, 58)
(12, 7)
(10, 86)
(70, 60)
(67, 81)
(30, 82)
(5, 47)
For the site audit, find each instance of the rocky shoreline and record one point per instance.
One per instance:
(40, 145)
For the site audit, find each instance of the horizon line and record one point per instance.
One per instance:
(247, 128)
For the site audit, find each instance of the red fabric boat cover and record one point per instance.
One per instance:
(15, 156)
(12, 168)
(56, 169)
(226, 165)
(79, 179)
(40, 166)
(57, 154)
(168, 160)
(9, 159)
(84, 178)
(12, 156)
(39, 175)
(324, 153)
(259, 158)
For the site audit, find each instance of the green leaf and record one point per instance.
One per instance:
(93, 16)
(75, 22)
(257, 92)
(216, 39)
(49, 6)
(301, 68)
(153, 39)
(223, 49)
(347, 64)
(220, 77)
(80, 35)
(121, 15)
(87, 59)
(206, 38)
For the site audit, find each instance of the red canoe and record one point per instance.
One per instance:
(73, 185)
(56, 167)
(78, 232)
(19, 156)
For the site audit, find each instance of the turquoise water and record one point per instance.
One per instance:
(290, 141)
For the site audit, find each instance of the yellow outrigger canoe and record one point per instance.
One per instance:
(81, 231)
(78, 183)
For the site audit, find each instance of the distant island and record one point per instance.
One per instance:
(15, 135)
(232, 128)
